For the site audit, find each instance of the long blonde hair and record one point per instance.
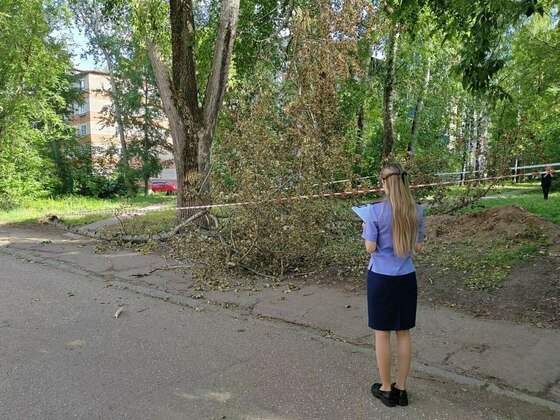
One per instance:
(403, 206)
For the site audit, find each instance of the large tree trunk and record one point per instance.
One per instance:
(192, 127)
(389, 96)
(180, 125)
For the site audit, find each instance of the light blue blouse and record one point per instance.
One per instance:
(378, 228)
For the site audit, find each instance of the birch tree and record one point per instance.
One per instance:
(106, 34)
(389, 95)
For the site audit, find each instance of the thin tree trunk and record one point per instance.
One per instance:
(474, 142)
(483, 143)
(146, 138)
(118, 112)
(477, 144)
(454, 126)
(389, 96)
(360, 131)
(417, 110)
(64, 175)
(91, 18)
(467, 134)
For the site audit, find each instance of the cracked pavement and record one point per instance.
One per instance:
(519, 361)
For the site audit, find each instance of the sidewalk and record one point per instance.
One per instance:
(500, 356)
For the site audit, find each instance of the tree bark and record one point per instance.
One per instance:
(181, 128)
(474, 142)
(118, 113)
(468, 129)
(454, 126)
(389, 96)
(146, 137)
(216, 87)
(360, 131)
(192, 127)
(417, 110)
(483, 142)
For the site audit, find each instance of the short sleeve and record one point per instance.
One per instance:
(370, 229)
(420, 224)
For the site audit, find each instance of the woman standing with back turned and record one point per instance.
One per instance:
(393, 231)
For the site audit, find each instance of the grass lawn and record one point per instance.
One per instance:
(500, 188)
(33, 210)
(149, 223)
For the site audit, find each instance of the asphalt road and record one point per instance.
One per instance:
(64, 355)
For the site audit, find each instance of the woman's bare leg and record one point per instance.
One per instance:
(383, 356)
(404, 355)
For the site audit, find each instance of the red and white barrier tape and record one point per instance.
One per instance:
(513, 168)
(301, 197)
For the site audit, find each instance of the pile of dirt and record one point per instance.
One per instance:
(507, 223)
(525, 260)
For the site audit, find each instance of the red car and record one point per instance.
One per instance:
(163, 186)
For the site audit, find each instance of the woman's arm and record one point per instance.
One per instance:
(371, 246)
(418, 248)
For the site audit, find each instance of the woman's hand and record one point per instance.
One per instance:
(371, 246)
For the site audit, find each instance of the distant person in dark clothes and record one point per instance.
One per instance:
(393, 232)
(546, 182)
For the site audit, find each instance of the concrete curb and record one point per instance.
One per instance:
(485, 385)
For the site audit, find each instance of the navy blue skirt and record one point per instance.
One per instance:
(391, 301)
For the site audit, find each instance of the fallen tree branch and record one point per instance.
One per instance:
(464, 203)
(256, 272)
(172, 267)
(135, 239)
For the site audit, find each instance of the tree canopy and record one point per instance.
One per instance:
(35, 73)
(444, 85)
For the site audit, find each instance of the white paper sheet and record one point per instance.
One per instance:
(361, 211)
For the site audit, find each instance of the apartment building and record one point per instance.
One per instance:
(87, 118)
(91, 126)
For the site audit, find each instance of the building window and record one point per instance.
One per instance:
(82, 84)
(81, 109)
(82, 131)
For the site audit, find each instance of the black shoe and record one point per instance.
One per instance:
(384, 396)
(399, 396)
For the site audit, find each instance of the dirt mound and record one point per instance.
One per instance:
(502, 263)
(507, 223)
